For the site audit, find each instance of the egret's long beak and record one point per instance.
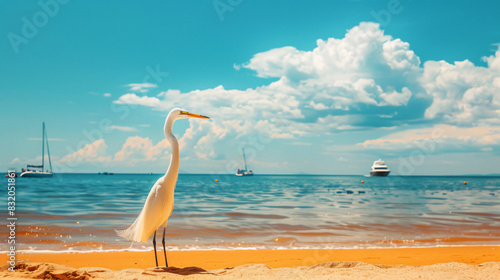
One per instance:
(191, 115)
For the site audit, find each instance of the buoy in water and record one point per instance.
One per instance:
(216, 180)
(465, 183)
(362, 182)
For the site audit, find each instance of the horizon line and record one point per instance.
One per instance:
(277, 174)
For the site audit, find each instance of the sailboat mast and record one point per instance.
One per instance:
(244, 159)
(43, 143)
(48, 151)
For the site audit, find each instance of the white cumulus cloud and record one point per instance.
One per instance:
(135, 150)
(121, 128)
(462, 92)
(138, 149)
(364, 80)
(443, 135)
(131, 98)
(141, 87)
(93, 152)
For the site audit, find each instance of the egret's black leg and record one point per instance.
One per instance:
(164, 252)
(154, 248)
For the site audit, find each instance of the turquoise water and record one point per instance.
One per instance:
(81, 211)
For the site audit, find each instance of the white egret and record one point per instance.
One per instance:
(160, 201)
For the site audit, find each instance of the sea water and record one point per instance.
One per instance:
(80, 212)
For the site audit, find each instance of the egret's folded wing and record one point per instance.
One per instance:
(148, 220)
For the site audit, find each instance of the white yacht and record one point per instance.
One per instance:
(379, 169)
(39, 169)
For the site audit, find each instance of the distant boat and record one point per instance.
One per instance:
(379, 169)
(38, 169)
(244, 172)
(106, 173)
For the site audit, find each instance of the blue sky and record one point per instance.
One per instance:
(386, 80)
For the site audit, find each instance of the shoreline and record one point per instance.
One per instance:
(183, 248)
(268, 174)
(218, 259)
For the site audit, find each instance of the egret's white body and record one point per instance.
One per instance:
(160, 201)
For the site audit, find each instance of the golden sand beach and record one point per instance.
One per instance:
(467, 262)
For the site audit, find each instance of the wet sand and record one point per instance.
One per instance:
(58, 238)
(481, 262)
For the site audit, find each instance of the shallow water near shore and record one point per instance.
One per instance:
(80, 212)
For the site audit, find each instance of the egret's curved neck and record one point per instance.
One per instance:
(173, 169)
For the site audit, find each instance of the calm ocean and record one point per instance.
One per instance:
(81, 211)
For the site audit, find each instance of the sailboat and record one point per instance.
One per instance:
(39, 173)
(244, 172)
